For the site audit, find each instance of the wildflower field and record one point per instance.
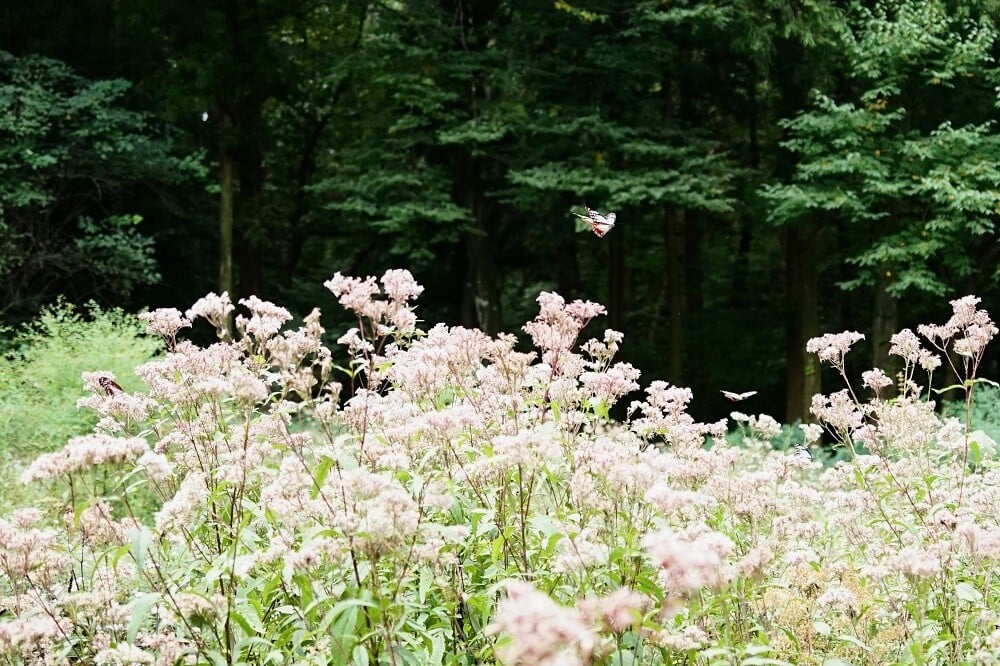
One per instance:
(473, 503)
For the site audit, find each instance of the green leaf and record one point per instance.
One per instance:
(968, 592)
(140, 608)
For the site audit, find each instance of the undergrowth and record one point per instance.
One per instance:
(474, 503)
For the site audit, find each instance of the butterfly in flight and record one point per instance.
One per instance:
(802, 452)
(109, 385)
(736, 397)
(601, 224)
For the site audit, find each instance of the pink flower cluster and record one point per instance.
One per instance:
(363, 297)
(460, 463)
(558, 324)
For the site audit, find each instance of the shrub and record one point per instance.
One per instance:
(40, 373)
(40, 380)
(985, 414)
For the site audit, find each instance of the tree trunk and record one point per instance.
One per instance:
(885, 322)
(248, 209)
(226, 185)
(617, 280)
(481, 304)
(481, 297)
(677, 299)
(802, 369)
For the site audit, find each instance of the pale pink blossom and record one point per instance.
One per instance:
(602, 351)
(355, 343)
(357, 295)
(97, 525)
(668, 499)
(975, 340)
(380, 514)
(246, 386)
(27, 634)
(165, 322)
(838, 411)
(978, 541)
(183, 509)
(188, 371)
(906, 345)
(265, 320)
(832, 347)
(618, 611)
(876, 380)
(905, 425)
(613, 383)
(763, 426)
(688, 639)
(968, 330)
(82, 453)
(157, 466)
(801, 555)
(812, 432)
(399, 285)
(664, 413)
(123, 654)
(837, 596)
(753, 563)
(214, 308)
(538, 630)
(558, 324)
(30, 553)
(916, 562)
(579, 552)
(686, 566)
(928, 360)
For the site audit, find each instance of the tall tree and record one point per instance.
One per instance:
(917, 191)
(70, 159)
(222, 62)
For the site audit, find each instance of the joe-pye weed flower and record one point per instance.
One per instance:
(239, 503)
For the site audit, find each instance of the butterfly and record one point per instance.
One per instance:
(601, 224)
(109, 385)
(736, 397)
(801, 451)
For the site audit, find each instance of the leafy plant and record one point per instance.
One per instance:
(70, 153)
(41, 369)
(472, 503)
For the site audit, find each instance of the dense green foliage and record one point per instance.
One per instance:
(69, 157)
(908, 155)
(769, 162)
(41, 368)
(40, 371)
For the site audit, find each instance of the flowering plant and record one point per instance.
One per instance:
(472, 503)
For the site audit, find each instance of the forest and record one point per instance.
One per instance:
(779, 168)
(312, 353)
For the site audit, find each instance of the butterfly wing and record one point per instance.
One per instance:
(109, 385)
(600, 229)
(601, 224)
(736, 397)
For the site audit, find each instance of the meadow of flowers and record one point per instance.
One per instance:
(471, 503)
